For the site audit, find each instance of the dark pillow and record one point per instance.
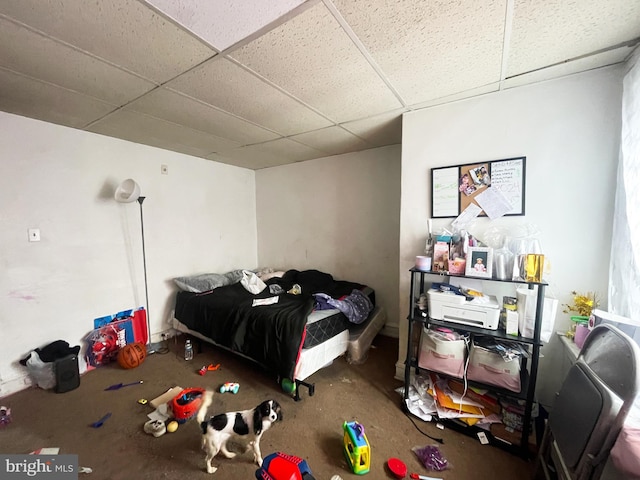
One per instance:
(207, 281)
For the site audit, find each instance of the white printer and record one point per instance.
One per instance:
(482, 312)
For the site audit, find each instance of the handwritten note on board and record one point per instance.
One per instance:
(507, 177)
(445, 192)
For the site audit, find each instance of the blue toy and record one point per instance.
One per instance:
(230, 387)
(356, 448)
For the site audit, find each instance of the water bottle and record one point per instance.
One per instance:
(188, 350)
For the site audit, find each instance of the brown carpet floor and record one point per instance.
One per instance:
(311, 429)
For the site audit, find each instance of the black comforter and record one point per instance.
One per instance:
(271, 335)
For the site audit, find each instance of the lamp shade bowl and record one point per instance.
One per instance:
(128, 191)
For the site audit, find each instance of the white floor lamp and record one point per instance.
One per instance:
(128, 192)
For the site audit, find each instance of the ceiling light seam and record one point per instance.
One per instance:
(506, 40)
(207, 134)
(279, 88)
(363, 50)
(214, 107)
(77, 49)
(39, 80)
(629, 43)
(447, 99)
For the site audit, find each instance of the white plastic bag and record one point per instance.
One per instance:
(41, 373)
(252, 283)
(527, 299)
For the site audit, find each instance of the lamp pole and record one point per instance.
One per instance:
(144, 263)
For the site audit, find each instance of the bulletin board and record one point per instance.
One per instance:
(454, 188)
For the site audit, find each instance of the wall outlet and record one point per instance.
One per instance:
(164, 169)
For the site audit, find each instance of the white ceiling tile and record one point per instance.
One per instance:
(124, 32)
(546, 32)
(473, 92)
(29, 53)
(222, 24)
(430, 49)
(312, 58)
(175, 107)
(276, 152)
(227, 86)
(147, 130)
(35, 99)
(332, 140)
(381, 130)
(594, 61)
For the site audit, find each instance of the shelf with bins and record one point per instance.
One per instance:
(528, 367)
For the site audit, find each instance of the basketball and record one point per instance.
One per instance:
(132, 355)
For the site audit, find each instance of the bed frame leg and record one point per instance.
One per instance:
(310, 386)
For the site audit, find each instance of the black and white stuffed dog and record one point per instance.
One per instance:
(251, 423)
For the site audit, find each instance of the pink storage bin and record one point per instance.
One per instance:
(488, 367)
(442, 353)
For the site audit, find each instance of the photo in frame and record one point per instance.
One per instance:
(479, 262)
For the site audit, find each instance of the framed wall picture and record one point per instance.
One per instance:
(484, 184)
(479, 262)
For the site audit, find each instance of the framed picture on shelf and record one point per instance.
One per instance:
(479, 262)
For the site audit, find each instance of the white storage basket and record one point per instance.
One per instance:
(439, 353)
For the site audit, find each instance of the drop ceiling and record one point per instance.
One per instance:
(257, 83)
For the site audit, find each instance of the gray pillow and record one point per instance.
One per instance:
(207, 281)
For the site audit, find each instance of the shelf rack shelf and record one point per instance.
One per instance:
(529, 369)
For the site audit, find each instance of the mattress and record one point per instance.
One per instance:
(323, 325)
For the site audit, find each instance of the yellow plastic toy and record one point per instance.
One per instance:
(356, 448)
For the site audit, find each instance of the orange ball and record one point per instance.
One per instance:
(132, 355)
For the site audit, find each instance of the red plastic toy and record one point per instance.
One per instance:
(280, 466)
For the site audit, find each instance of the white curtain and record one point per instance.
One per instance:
(624, 275)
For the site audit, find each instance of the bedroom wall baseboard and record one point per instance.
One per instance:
(390, 331)
(14, 385)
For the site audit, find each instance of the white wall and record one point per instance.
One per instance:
(337, 214)
(569, 131)
(198, 218)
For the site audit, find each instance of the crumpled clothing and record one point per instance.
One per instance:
(355, 306)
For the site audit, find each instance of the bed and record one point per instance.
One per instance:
(298, 324)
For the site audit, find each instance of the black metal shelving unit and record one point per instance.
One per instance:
(529, 370)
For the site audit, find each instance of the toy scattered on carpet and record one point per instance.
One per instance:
(118, 386)
(280, 466)
(288, 386)
(155, 428)
(5, 416)
(208, 368)
(356, 448)
(100, 422)
(132, 355)
(185, 405)
(230, 387)
(172, 426)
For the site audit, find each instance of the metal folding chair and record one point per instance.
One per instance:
(590, 409)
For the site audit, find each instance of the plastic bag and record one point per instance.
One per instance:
(41, 372)
(252, 283)
(431, 457)
(527, 299)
